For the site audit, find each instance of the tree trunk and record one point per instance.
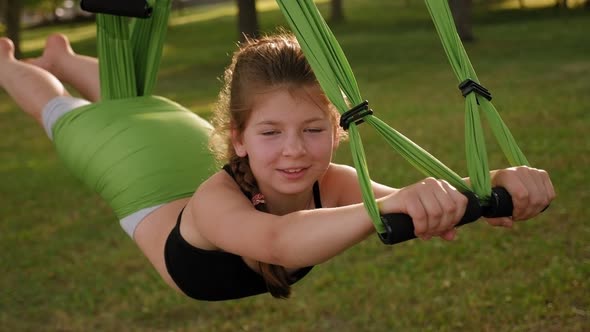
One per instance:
(462, 13)
(12, 16)
(337, 11)
(247, 19)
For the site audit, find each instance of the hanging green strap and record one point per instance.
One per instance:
(148, 40)
(130, 51)
(337, 79)
(116, 68)
(477, 163)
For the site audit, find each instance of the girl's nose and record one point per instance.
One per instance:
(294, 146)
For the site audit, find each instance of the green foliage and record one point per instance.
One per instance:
(67, 266)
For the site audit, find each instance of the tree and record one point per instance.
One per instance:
(462, 13)
(247, 19)
(337, 14)
(11, 15)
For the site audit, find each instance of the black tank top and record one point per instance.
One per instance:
(214, 275)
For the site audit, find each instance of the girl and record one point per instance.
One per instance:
(278, 207)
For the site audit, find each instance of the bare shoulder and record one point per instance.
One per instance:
(342, 182)
(339, 176)
(337, 184)
(219, 192)
(223, 218)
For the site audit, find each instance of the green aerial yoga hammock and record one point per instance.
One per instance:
(130, 55)
(336, 78)
(134, 149)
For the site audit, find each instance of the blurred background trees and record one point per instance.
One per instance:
(18, 14)
(247, 19)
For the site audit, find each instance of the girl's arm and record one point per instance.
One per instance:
(223, 216)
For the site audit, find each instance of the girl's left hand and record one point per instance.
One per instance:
(531, 190)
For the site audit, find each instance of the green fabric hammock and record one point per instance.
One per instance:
(130, 51)
(336, 78)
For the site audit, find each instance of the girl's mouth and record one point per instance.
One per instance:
(293, 173)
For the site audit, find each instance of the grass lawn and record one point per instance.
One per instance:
(67, 266)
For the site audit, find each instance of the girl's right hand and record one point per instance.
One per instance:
(434, 206)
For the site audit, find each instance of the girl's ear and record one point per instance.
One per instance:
(238, 144)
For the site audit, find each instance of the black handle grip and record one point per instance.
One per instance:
(130, 8)
(500, 204)
(399, 226)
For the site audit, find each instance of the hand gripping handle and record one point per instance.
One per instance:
(399, 227)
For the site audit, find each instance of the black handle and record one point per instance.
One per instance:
(500, 204)
(130, 8)
(399, 226)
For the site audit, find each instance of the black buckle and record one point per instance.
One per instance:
(129, 8)
(470, 85)
(356, 115)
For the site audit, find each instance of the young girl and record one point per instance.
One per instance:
(278, 207)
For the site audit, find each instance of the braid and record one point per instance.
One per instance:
(275, 276)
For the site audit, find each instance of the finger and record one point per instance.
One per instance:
(448, 206)
(548, 186)
(500, 222)
(416, 211)
(434, 212)
(449, 235)
(537, 194)
(458, 209)
(520, 197)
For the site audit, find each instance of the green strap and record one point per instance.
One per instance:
(477, 163)
(116, 68)
(130, 51)
(148, 40)
(336, 78)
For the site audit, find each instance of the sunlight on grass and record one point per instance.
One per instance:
(216, 11)
(197, 14)
(515, 4)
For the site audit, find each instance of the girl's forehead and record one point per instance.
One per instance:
(281, 105)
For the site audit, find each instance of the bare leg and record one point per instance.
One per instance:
(80, 71)
(31, 87)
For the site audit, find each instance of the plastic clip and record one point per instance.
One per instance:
(356, 115)
(129, 8)
(470, 85)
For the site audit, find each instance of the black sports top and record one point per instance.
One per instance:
(214, 275)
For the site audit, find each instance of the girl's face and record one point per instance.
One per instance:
(289, 139)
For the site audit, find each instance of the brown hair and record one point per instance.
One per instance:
(258, 65)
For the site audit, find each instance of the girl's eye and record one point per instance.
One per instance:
(270, 132)
(314, 130)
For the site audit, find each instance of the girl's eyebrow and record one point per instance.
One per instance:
(272, 122)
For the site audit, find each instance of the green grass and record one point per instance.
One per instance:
(67, 266)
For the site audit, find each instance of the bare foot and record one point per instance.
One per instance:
(6, 49)
(57, 49)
